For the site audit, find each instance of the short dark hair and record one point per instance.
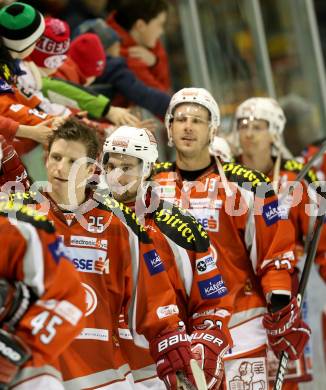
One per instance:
(74, 129)
(129, 11)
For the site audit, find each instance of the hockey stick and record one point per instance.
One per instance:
(311, 254)
(310, 163)
(198, 374)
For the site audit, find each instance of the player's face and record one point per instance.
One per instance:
(68, 158)
(123, 175)
(190, 129)
(150, 32)
(254, 136)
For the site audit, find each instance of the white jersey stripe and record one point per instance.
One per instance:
(33, 258)
(183, 264)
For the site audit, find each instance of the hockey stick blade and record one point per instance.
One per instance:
(198, 374)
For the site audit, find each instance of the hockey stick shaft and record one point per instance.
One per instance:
(311, 162)
(311, 253)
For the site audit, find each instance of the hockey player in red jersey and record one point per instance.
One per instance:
(42, 301)
(254, 245)
(120, 270)
(128, 157)
(258, 127)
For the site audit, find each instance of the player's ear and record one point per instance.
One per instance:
(91, 169)
(139, 25)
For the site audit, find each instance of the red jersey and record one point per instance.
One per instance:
(254, 247)
(33, 254)
(120, 271)
(202, 297)
(302, 203)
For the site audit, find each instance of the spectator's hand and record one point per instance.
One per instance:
(39, 133)
(121, 116)
(143, 54)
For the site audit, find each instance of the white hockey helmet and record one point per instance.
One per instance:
(195, 96)
(263, 108)
(135, 142)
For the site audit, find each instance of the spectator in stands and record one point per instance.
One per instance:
(20, 27)
(79, 67)
(117, 78)
(140, 25)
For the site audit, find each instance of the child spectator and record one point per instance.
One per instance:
(117, 79)
(140, 25)
(51, 52)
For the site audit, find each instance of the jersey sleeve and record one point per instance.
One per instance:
(36, 257)
(269, 239)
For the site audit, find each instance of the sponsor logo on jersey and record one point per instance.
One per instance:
(89, 260)
(16, 107)
(251, 176)
(212, 288)
(167, 311)
(167, 191)
(208, 218)
(271, 213)
(205, 203)
(94, 334)
(205, 265)
(153, 262)
(4, 86)
(57, 249)
(91, 299)
(91, 242)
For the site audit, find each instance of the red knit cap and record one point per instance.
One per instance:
(51, 48)
(88, 53)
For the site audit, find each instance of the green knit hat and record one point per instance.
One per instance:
(20, 26)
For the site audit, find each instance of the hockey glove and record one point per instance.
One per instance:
(208, 348)
(12, 169)
(286, 331)
(171, 353)
(13, 353)
(15, 299)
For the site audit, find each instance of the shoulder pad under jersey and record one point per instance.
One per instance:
(124, 213)
(296, 166)
(181, 227)
(241, 175)
(163, 167)
(25, 213)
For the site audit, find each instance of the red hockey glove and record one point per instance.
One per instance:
(171, 353)
(12, 169)
(208, 348)
(286, 331)
(13, 353)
